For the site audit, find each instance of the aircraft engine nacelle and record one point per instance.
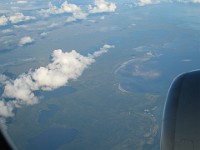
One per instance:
(181, 118)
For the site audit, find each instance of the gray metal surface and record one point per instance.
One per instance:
(181, 119)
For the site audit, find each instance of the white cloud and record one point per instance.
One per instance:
(71, 19)
(6, 109)
(7, 31)
(79, 15)
(3, 21)
(44, 34)
(64, 67)
(3, 124)
(144, 2)
(21, 1)
(186, 60)
(21, 26)
(104, 49)
(196, 1)
(64, 8)
(147, 2)
(3, 79)
(53, 25)
(102, 6)
(20, 17)
(25, 40)
(21, 90)
(76, 11)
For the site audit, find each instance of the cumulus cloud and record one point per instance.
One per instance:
(76, 11)
(7, 31)
(101, 6)
(3, 78)
(3, 21)
(21, 1)
(196, 1)
(104, 49)
(19, 17)
(21, 90)
(64, 67)
(144, 2)
(20, 26)
(14, 19)
(147, 2)
(79, 15)
(43, 34)
(6, 109)
(185, 1)
(26, 40)
(186, 60)
(64, 8)
(53, 25)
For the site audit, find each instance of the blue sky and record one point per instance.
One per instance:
(26, 22)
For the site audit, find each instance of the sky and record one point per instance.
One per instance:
(26, 18)
(24, 22)
(63, 66)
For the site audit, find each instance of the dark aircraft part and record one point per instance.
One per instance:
(181, 119)
(4, 144)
